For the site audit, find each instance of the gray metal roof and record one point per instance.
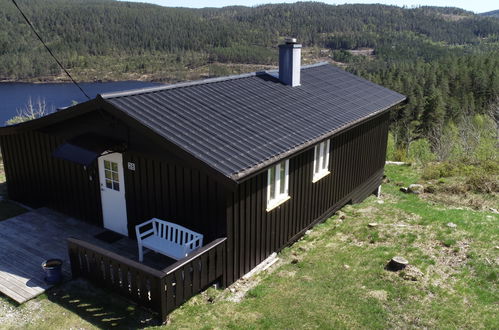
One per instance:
(238, 123)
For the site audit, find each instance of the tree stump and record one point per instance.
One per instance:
(397, 263)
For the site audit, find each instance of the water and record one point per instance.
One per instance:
(15, 96)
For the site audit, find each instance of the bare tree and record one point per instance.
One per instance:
(441, 142)
(30, 111)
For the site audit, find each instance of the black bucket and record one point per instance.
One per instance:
(53, 270)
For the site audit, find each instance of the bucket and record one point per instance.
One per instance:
(53, 270)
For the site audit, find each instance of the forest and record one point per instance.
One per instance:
(446, 60)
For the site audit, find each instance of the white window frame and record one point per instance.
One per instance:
(321, 161)
(279, 196)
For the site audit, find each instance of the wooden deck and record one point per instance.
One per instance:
(31, 238)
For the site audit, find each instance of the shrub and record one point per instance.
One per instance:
(439, 170)
(483, 182)
(420, 152)
(390, 147)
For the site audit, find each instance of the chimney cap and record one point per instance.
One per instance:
(290, 40)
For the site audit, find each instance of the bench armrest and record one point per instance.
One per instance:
(138, 227)
(192, 241)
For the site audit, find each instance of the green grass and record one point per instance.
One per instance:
(339, 280)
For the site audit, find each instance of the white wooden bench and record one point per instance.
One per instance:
(167, 238)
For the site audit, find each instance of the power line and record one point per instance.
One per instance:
(48, 49)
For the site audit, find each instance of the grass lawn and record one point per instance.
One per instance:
(333, 278)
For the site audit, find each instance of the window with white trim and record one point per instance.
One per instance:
(321, 161)
(277, 184)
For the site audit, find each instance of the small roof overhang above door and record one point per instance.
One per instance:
(86, 148)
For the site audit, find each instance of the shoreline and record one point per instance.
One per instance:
(60, 81)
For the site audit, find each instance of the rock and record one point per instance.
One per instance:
(232, 290)
(380, 201)
(346, 266)
(397, 263)
(308, 232)
(493, 210)
(295, 260)
(411, 273)
(372, 224)
(341, 215)
(415, 188)
(451, 225)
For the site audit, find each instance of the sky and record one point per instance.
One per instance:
(477, 6)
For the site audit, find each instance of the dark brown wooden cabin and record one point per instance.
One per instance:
(256, 158)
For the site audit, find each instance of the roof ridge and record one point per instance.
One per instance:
(172, 86)
(303, 67)
(196, 82)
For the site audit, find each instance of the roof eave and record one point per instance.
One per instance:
(52, 118)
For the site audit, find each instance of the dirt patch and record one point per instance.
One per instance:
(380, 295)
(448, 261)
(287, 273)
(411, 273)
(362, 51)
(468, 200)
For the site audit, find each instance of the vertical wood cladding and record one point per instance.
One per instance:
(157, 188)
(36, 178)
(170, 191)
(356, 161)
(162, 186)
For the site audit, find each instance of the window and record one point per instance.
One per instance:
(277, 186)
(111, 173)
(321, 161)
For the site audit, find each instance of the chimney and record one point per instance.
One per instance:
(290, 62)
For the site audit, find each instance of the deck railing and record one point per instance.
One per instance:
(161, 290)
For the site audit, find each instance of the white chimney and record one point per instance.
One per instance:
(290, 62)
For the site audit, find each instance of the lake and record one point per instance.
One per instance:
(14, 96)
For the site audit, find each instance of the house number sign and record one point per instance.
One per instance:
(131, 166)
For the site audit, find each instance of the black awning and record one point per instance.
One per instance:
(84, 149)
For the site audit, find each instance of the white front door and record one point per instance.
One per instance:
(112, 187)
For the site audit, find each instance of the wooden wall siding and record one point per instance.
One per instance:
(36, 178)
(356, 162)
(169, 191)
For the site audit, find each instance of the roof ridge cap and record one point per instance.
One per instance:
(173, 86)
(139, 91)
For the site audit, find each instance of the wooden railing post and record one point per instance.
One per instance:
(224, 266)
(74, 260)
(168, 288)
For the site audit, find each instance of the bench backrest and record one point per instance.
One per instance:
(173, 232)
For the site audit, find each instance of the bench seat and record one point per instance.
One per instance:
(167, 238)
(165, 247)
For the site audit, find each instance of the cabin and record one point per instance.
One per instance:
(249, 161)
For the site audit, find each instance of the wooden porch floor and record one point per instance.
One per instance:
(33, 237)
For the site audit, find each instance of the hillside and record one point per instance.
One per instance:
(446, 60)
(167, 43)
(494, 13)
